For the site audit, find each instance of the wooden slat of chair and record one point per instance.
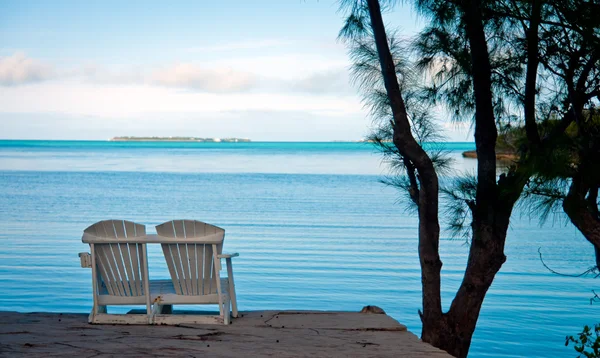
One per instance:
(200, 228)
(191, 249)
(185, 264)
(217, 264)
(129, 269)
(119, 264)
(190, 231)
(140, 230)
(141, 257)
(207, 269)
(101, 230)
(178, 269)
(167, 230)
(131, 257)
(124, 259)
(196, 262)
(193, 265)
(116, 263)
(119, 230)
(103, 269)
(178, 228)
(171, 265)
(109, 279)
(108, 230)
(180, 258)
(120, 268)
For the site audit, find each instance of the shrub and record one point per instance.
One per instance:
(587, 343)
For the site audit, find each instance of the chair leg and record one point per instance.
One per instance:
(149, 312)
(92, 317)
(234, 309)
(95, 311)
(227, 311)
(232, 295)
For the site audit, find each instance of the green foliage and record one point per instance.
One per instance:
(574, 153)
(543, 198)
(460, 195)
(367, 76)
(434, 70)
(445, 57)
(586, 343)
(553, 75)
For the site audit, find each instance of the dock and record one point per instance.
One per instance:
(253, 334)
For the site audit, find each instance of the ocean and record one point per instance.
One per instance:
(314, 227)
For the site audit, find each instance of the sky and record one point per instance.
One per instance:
(264, 70)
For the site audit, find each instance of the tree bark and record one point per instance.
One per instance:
(428, 206)
(485, 124)
(531, 129)
(583, 214)
(495, 198)
(453, 331)
(491, 215)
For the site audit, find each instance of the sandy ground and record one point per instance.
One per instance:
(255, 334)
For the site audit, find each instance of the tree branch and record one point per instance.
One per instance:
(531, 75)
(406, 144)
(584, 273)
(486, 132)
(414, 186)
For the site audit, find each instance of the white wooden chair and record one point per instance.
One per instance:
(119, 270)
(193, 252)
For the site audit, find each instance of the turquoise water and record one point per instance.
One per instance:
(314, 228)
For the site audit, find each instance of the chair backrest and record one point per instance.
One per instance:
(121, 266)
(192, 264)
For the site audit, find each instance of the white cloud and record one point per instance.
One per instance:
(209, 80)
(299, 73)
(332, 81)
(100, 74)
(213, 79)
(293, 66)
(116, 101)
(19, 69)
(183, 76)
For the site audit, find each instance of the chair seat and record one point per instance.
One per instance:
(163, 292)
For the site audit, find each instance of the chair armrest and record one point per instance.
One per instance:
(228, 256)
(85, 259)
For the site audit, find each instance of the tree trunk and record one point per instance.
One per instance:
(490, 216)
(583, 214)
(454, 330)
(428, 191)
(531, 74)
(486, 132)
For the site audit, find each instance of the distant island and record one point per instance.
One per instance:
(178, 139)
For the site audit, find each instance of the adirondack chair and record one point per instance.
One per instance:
(193, 252)
(119, 270)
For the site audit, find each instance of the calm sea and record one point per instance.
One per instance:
(313, 226)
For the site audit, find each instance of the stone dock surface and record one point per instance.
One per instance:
(254, 334)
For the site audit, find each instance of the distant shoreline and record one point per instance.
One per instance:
(243, 140)
(179, 139)
(501, 156)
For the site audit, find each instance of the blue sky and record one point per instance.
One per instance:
(265, 70)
